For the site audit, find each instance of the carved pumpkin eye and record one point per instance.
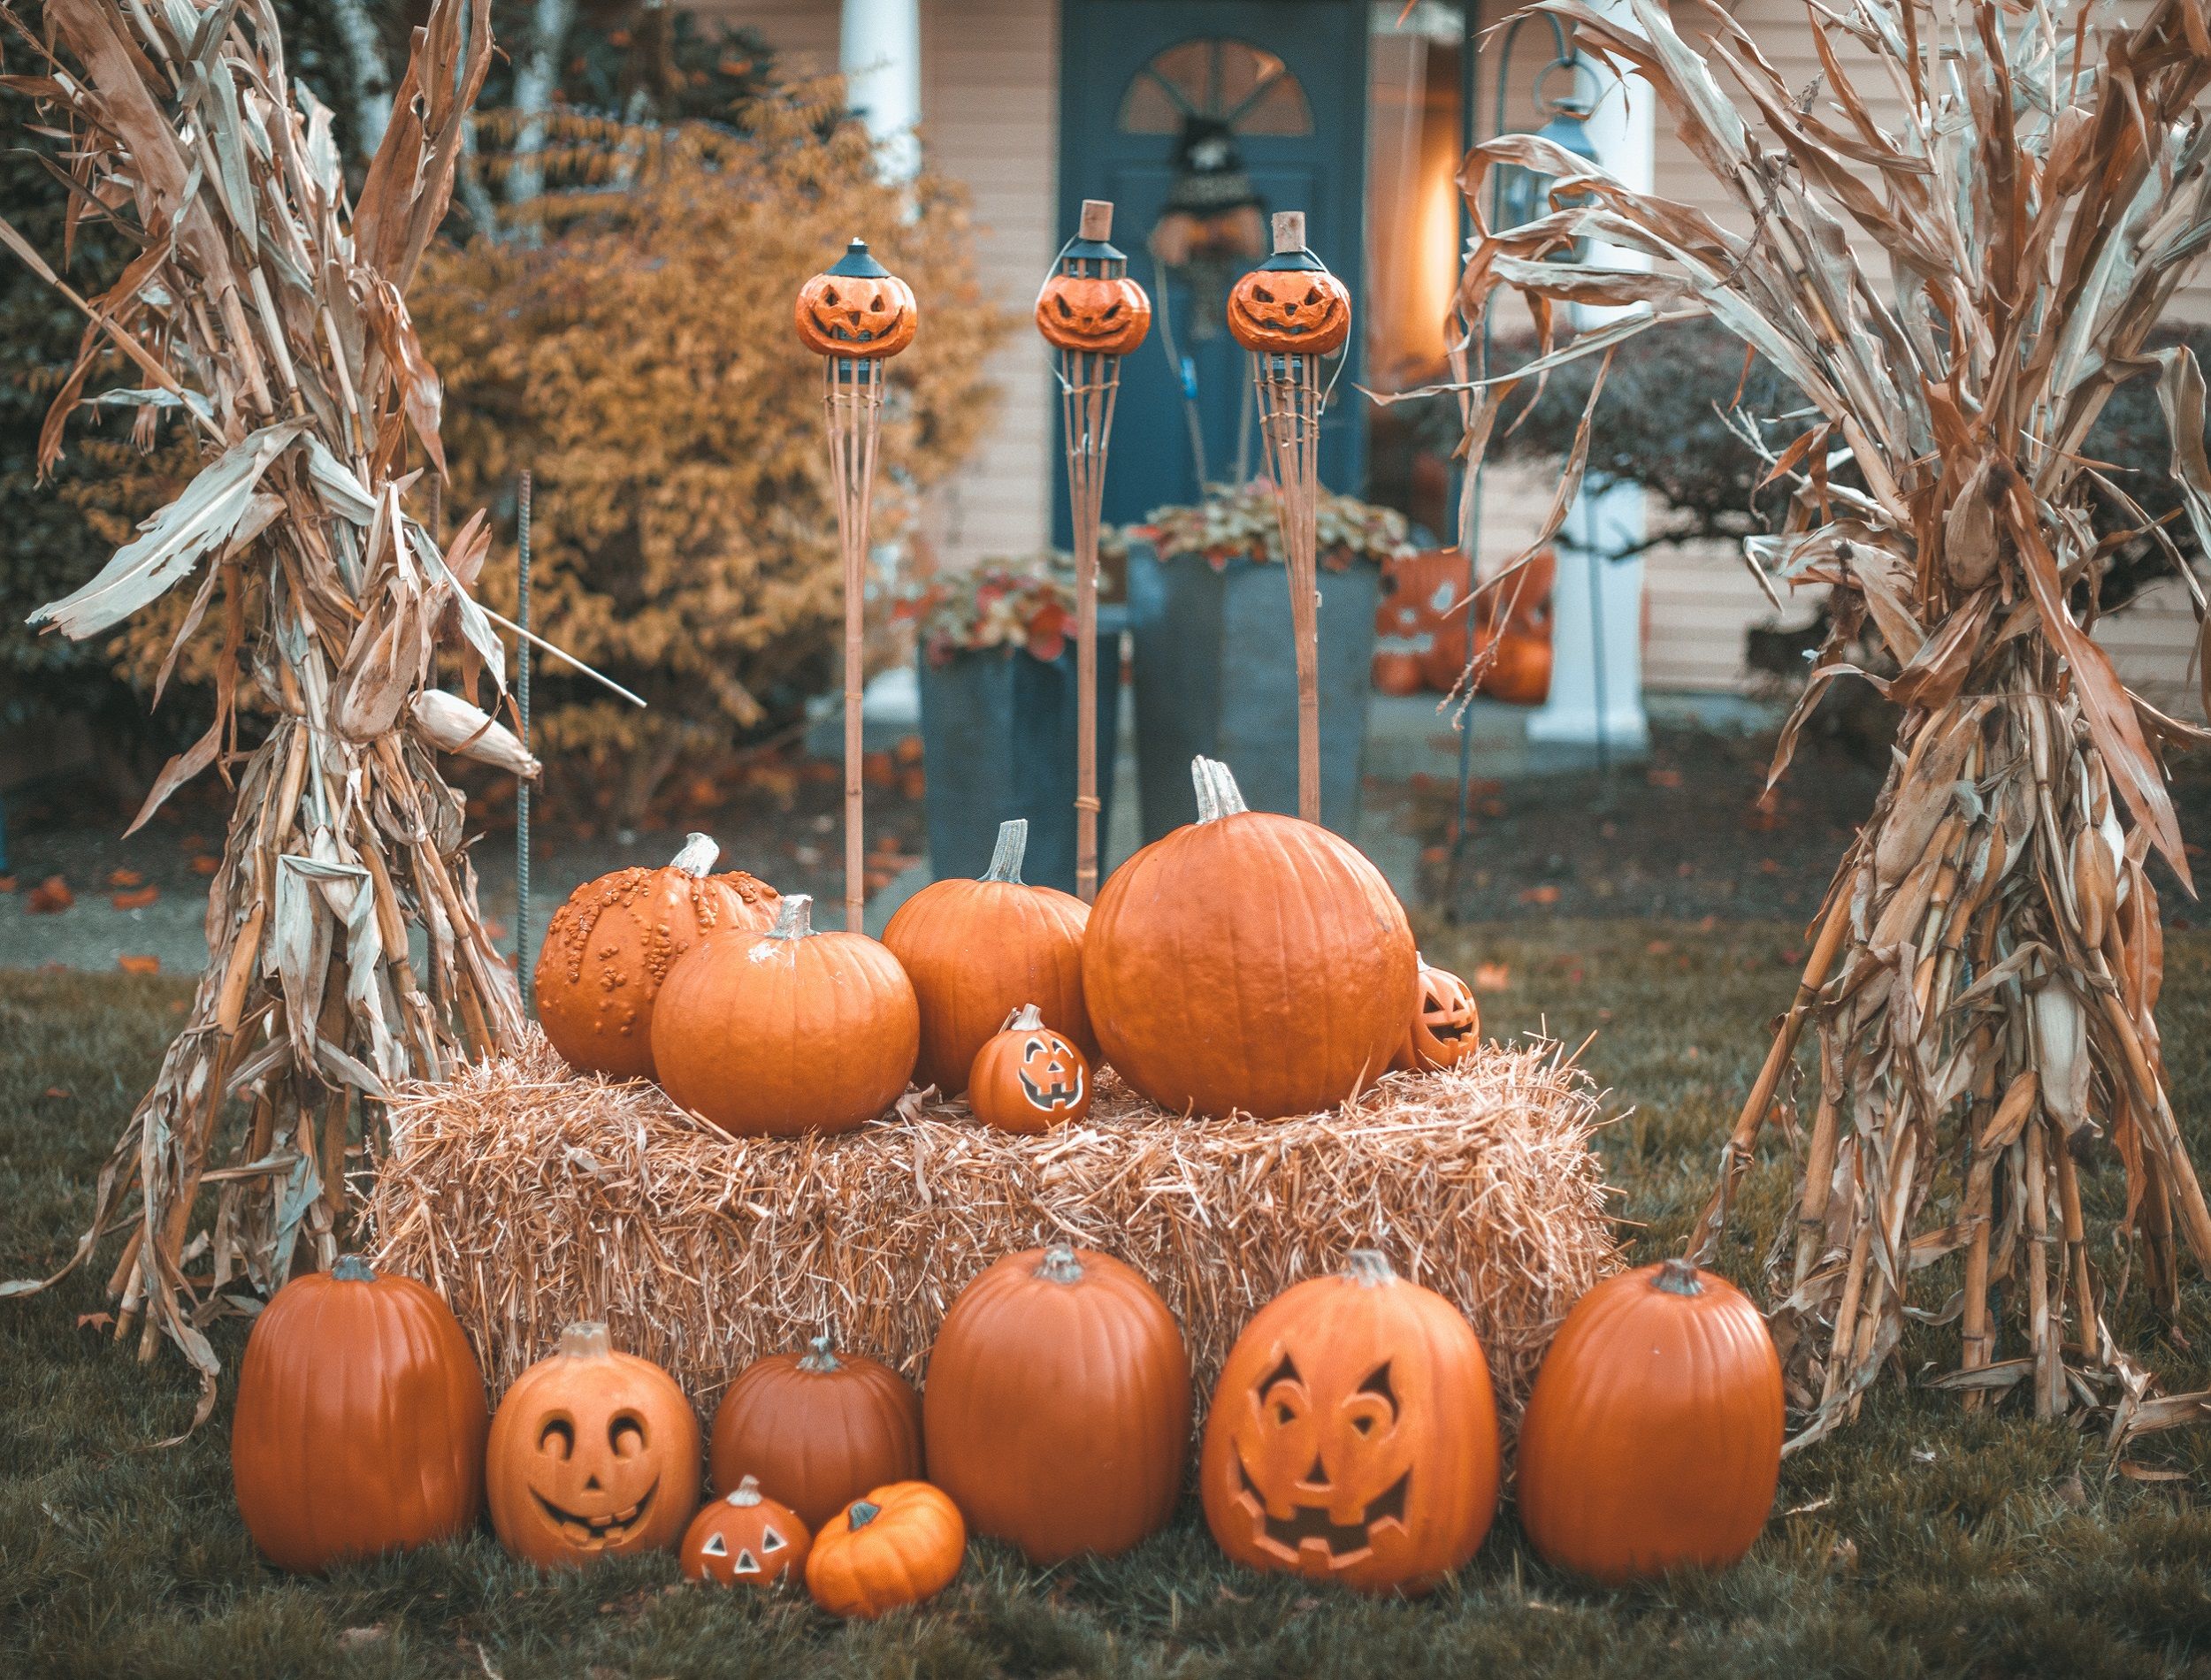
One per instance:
(1281, 1392)
(772, 1540)
(1263, 294)
(1377, 1384)
(1066, 313)
(626, 1435)
(829, 297)
(875, 304)
(1313, 296)
(557, 1438)
(716, 1546)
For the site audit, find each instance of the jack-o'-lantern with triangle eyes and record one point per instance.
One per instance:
(1353, 1435)
(593, 1453)
(746, 1540)
(856, 309)
(1290, 305)
(1029, 1077)
(1105, 314)
(1446, 1026)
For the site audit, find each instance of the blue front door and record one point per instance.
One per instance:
(1286, 79)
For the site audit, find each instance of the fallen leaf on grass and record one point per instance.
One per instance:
(50, 896)
(94, 1320)
(2135, 1472)
(1665, 778)
(126, 878)
(1493, 977)
(59, 1093)
(139, 965)
(205, 866)
(137, 900)
(7, 883)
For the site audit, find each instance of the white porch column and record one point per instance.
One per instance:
(879, 54)
(1596, 684)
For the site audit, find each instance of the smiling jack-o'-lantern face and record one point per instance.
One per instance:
(858, 310)
(1302, 311)
(746, 1540)
(1353, 1435)
(1087, 312)
(1446, 1026)
(592, 1453)
(1029, 1077)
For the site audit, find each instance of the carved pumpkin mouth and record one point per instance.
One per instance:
(849, 328)
(596, 1533)
(1054, 1091)
(1306, 1523)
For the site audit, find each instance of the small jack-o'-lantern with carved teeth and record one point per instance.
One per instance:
(746, 1540)
(857, 309)
(1108, 315)
(1029, 1077)
(1290, 305)
(1446, 1026)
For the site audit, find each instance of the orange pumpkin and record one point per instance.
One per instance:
(1652, 1439)
(1057, 1405)
(1029, 1077)
(1290, 305)
(593, 1453)
(978, 949)
(1105, 314)
(746, 1539)
(788, 1031)
(900, 1544)
(1248, 962)
(611, 945)
(818, 1430)
(856, 309)
(1446, 1026)
(361, 1420)
(1353, 1435)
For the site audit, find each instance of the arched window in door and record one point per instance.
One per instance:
(1228, 81)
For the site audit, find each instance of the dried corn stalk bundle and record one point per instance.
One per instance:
(265, 315)
(1983, 982)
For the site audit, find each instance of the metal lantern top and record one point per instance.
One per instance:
(856, 309)
(1089, 304)
(1523, 195)
(1291, 304)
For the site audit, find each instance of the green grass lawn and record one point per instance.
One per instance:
(1922, 1541)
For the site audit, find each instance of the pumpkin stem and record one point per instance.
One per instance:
(823, 1358)
(1369, 1268)
(1005, 856)
(698, 856)
(747, 1491)
(1218, 795)
(861, 1514)
(1024, 1019)
(794, 918)
(1678, 1277)
(1060, 1265)
(351, 1268)
(586, 1339)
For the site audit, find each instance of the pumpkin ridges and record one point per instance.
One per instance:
(775, 1408)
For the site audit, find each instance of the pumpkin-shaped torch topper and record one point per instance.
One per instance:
(1028, 1078)
(746, 1540)
(1291, 304)
(856, 309)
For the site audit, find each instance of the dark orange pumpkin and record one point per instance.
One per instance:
(1107, 315)
(746, 1539)
(1248, 962)
(1353, 1435)
(900, 1544)
(611, 947)
(1057, 1411)
(1029, 1077)
(361, 1420)
(818, 1429)
(976, 950)
(1290, 305)
(1446, 1026)
(1652, 1440)
(594, 1454)
(789, 1031)
(857, 309)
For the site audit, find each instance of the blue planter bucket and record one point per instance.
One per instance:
(1216, 674)
(997, 735)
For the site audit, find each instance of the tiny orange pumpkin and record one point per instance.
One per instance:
(856, 309)
(1446, 1026)
(1028, 1078)
(901, 1544)
(746, 1540)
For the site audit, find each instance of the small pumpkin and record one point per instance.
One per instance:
(360, 1422)
(1248, 962)
(611, 947)
(1057, 1412)
(900, 1544)
(1353, 1435)
(1446, 1026)
(746, 1539)
(1290, 305)
(856, 309)
(1106, 315)
(1652, 1439)
(979, 950)
(819, 1429)
(788, 1031)
(1029, 1077)
(594, 1454)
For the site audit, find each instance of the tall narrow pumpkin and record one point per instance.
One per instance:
(1248, 962)
(1652, 1439)
(819, 1429)
(1057, 1411)
(976, 950)
(361, 1421)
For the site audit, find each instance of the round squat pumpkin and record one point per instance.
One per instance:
(360, 1422)
(1652, 1439)
(594, 1454)
(1291, 305)
(1248, 962)
(1028, 1078)
(1446, 1026)
(1104, 314)
(977, 950)
(898, 1545)
(819, 1429)
(1057, 1412)
(611, 947)
(746, 1539)
(1353, 1435)
(789, 1031)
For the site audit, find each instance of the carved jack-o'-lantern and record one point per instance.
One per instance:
(1028, 1078)
(1446, 1026)
(746, 1540)
(1106, 314)
(1353, 1435)
(857, 309)
(1291, 304)
(592, 1453)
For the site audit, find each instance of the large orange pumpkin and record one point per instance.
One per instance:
(899, 1545)
(1028, 1078)
(746, 1539)
(1353, 1435)
(1652, 1439)
(855, 309)
(1057, 1411)
(818, 1429)
(977, 950)
(611, 945)
(1248, 962)
(594, 1454)
(360, 1422)
(789, 1031)
(1446, 1026)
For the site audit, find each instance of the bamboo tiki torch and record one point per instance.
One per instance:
(1093, 315)
(1289, 312)
(856, 316)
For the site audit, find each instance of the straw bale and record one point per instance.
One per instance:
(531, 1196)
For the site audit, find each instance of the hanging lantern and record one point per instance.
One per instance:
(1523, 195)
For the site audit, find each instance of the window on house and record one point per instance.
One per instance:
(1228, 81)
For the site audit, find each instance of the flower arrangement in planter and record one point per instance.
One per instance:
(1029, 604)
(1238, 522)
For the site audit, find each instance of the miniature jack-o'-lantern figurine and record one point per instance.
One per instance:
(1353, 1435)
(1291, 304)
(1028, 1078)
(1106, 316)
(857, 309)
(746, 1540)
(1446, 1026)
(593, 1453)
